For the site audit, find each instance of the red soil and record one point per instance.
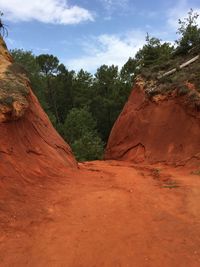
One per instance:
(155, 131)
(102, 214)
(31, 152)
(105, 214)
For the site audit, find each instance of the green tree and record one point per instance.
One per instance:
(49, 69)
(80, 131)
(63, 84)
(153, 52)
(78, 121)
(129, 71)
(88, 147)
(110, 94)
(103, 105)
(48, 64)
(189, 32)
(82, 89)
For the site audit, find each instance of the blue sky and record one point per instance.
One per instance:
(88, 33)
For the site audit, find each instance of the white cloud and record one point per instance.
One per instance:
(112, 4)
(112, 7)
(47, 11)
(180, 11)
(108, 49)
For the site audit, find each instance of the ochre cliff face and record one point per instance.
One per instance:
(14, 88)
(160, 130)
(29, 145)
(4, 54)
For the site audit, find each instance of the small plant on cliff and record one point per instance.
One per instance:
(170, 184)
(196, 172)
(183, 90)
(3, 29)
(7, 100)
(155, 173)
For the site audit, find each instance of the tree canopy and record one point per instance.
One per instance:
(189, 32)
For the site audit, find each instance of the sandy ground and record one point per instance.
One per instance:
(108, 214)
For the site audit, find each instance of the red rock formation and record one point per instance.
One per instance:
(29, 145)
(160, 130)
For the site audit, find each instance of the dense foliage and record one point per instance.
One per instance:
(189, 32)
(80, 130)
(83, 107)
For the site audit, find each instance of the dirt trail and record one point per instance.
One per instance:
(110, 214)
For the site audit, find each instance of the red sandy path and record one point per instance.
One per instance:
(109, 214)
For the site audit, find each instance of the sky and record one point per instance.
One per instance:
(89, 33)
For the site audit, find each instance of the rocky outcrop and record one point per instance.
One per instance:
(29, 145)
(14, 87)
(164, 128)
(4, 54)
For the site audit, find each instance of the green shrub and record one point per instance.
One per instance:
(88, 147)
(80, 131)
(13, 86)
(7, 100)
(17, 69)
(193, 96)
(78, 122)
(183, 90)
